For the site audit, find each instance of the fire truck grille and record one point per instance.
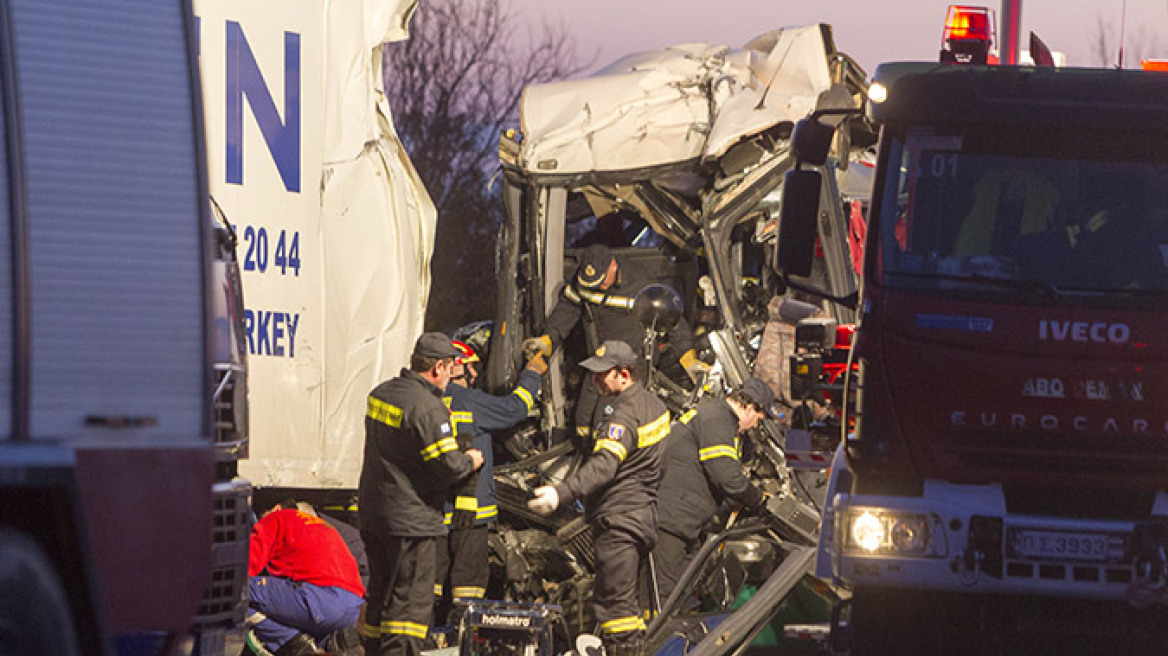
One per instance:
(224, 602)
(1136, 459)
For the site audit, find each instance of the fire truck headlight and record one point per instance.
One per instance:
(875, 531)
(877, 92)
(909, 534)
(868, 532)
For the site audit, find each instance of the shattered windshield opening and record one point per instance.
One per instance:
(618, 229)
(1025, 213)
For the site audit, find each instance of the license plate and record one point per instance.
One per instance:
(1042, 544)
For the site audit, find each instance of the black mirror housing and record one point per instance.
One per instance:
(798, 222)
(811, 141)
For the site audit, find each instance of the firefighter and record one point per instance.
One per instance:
(462, 555)
(602, 293)
(703, 470)
(618, 484)
(411, 462)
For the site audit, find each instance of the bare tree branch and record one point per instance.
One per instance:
(1139, 43)
(1102, 51)
(453, 87)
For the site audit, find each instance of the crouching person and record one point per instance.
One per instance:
(311, 588)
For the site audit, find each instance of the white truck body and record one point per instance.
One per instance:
(335, 228)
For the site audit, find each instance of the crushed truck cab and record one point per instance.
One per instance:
(673, 159)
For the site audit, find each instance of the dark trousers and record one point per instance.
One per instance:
(284, 607)
(619, 554)
(463, 569)
(400, 597)
(671, 555)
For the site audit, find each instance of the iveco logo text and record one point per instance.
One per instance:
(1083, 331)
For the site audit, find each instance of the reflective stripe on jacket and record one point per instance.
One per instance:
(612, 313)
(619, 479)
(703, 469)
(476, 413)
(411, 459)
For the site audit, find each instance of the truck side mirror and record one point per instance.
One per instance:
(811, 141)
(798, 222)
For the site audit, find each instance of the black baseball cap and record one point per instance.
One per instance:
(611, 354)
(593, 266)
(436, 345)
(761, 393)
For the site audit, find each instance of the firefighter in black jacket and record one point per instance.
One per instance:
(602, 293)
(462, 556)
(618, 483)
(411, 461)
(702, 470)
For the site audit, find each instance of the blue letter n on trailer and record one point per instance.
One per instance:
(244, 79)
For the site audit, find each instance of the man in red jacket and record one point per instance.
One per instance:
(311, 587)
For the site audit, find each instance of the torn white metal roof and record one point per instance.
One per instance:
(683, 103)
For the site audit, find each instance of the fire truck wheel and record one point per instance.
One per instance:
(34, 610)
(887, 623)
(895, 622)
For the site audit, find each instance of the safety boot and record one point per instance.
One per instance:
(344, 642)
(630, 648)
(300, 645)
(371, 646)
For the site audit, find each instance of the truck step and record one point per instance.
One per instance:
(817, 633)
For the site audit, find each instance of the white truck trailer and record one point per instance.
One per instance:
(335, 228)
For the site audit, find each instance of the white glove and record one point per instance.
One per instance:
(546, 500)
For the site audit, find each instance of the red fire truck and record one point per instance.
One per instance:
(1006, 481)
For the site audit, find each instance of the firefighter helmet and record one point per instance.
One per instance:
(468, 354)
(477, 336)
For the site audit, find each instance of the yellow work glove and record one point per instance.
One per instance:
(537, 364)
(541, 344)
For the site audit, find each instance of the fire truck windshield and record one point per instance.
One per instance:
(1024, 211)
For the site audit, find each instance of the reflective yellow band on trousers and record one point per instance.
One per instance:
(412, 629)
(623, 625)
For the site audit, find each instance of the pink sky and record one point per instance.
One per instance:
(869, 30)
